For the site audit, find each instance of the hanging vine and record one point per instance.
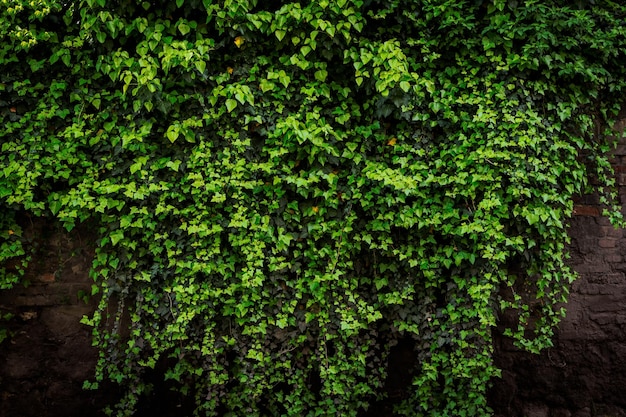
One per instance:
(285, 190)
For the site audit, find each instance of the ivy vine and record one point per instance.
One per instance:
(284, 190)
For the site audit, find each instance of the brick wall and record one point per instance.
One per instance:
(584, 374)
(49, 355)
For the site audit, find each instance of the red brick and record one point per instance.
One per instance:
(580, 210)
(48, 277)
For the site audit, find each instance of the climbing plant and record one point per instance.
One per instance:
(285, 190)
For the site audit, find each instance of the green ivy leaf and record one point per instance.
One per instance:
(231, 104)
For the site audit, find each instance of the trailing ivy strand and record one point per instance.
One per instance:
(285, 190)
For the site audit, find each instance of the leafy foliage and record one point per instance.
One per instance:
(285, 190)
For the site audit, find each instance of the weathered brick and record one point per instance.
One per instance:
(47, 277)
(585, 227)
(536, 410)
(583, 210)
(596, 267)
(619, 266)
(607, 242)
(602, 221)
(588, 289)
(583, 330)
(604, 303)
(612, 279)
(599, 289)
(613, 259)
(586, 245)
(610, 231)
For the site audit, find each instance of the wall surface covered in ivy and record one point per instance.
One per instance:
(284, 193)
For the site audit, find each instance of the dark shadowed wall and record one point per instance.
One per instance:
(49, 355)
(585, 373)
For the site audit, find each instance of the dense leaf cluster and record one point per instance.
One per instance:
(284, 190)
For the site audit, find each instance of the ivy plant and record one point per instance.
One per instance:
(285, 190)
